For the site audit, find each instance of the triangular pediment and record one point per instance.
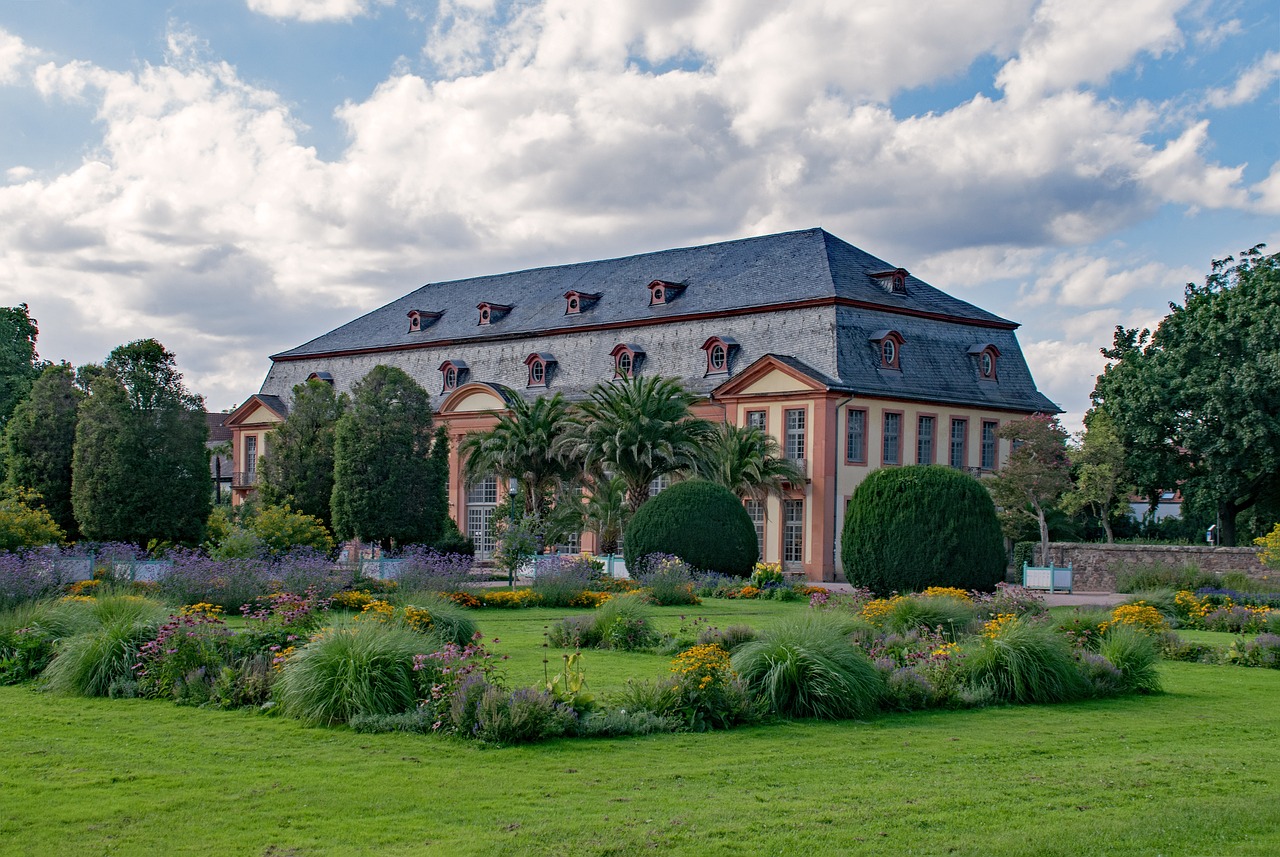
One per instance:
(256, 411)
(770, 375)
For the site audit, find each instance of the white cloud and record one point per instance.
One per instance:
(1080, 280)
(14, 55)
(315, 10)
(1086, 41)
(567, 131)
(1254, 81)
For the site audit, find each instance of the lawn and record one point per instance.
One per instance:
(1191, 771)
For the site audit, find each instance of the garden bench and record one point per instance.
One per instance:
(1052, 578)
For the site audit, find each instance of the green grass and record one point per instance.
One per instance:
(1187, 772)
(1191, 771)
(519, 634)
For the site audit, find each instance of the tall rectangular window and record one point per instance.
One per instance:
(959, 429)
(755, 509)
(794, 445)
(924, 440)
(251, 453)
(988, 445)
(659, 484)
(892, 445)
(793, 531)
(758, 420)
(482, 497)
(856, 437)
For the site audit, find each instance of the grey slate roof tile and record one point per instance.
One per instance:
(749, 272)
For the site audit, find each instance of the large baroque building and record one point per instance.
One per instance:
(850, 362)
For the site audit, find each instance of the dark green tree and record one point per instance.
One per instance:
(908, 528)
(39, 440)
(1197, 403)
(701, 522)
(140, 471)
(383, 489)
(19, 364)
(297, 470)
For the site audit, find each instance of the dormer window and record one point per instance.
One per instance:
(893, 281)
(539, 364)
(719, 351)
(889, 344)
(986, 356)
(663, 292)
(454, 374)
(626, 360)
(490, 313)
(420, 319)
(321, 376)
(576, 302)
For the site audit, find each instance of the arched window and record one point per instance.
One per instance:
(490, 313)
(662, 292)
(987, 358)
(421, 319)
(453, 374)
(889, 344)
(576, 302)
(626, 360)
(539, 365)
(719, 351)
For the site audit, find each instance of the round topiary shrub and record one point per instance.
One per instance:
(908, 528)
(700, 522)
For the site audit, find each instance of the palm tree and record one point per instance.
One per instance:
(524, 446)
(746, 461)
(636, 429)
(604, 511)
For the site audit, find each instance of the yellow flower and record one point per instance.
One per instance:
(948, 592)
(995, 627)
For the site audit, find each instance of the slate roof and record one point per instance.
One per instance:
(936, 362)
(734, 275)
(218, 431)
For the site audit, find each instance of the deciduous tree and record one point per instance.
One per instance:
(19, 363)
(1197, 403)
(1099, 484)
(140, 471)
(1037, 473)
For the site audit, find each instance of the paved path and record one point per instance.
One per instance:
(1053, 599)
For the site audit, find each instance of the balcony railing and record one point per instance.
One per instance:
(244, 479)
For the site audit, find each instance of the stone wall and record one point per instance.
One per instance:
(1095, 565)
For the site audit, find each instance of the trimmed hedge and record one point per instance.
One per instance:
(702, 523)
(909, 528)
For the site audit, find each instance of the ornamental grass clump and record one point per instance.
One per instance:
(429, 612)
(349, 669)
(953, 615)
(1134, 653)
(1022, 662)
(89, 664)
(806, 667)
(625, 623)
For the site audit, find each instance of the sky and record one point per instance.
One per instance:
(236, 177)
